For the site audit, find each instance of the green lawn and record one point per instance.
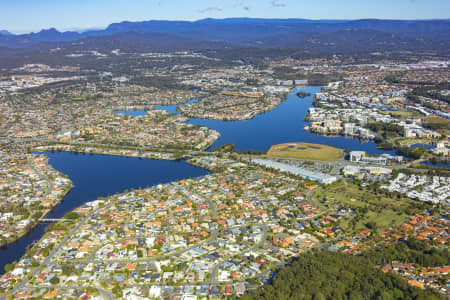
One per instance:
(383, 210)
(402, 114)
(384, 220)
(306, 151)
(437, 120)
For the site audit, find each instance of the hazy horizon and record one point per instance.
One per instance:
(80, 30)
(28, 16)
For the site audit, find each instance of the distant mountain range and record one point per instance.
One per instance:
(324, 35)
(5, 32)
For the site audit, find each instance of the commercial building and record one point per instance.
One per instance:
(360, 156)
(321, 177)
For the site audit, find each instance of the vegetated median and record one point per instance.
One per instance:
(306, 151)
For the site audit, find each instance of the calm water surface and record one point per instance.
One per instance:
(134, 113)
(281, 125)
(440, 165)
(95, 176)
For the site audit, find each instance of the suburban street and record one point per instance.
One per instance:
(55, 250)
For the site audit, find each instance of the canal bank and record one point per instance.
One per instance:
(283, 124)
(95, 176)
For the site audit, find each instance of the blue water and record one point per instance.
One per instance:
(134, 113)
(95, 176)
(173, 108)
(169, 108)
(281, 125)
(102, 175)
(422, 146)
(440, 165)
(429, 163)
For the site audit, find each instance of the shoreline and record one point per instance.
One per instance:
(36, 222)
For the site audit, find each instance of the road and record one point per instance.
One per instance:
(258, 245)
(107, 295)
(311, 200)
(212, 239)
(103, 293)
(45, 177)
(48, 260)
(55, 250)
(174, 254)
(50, 186)
(215, 232)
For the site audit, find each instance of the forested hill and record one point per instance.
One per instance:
(330, 275)
(317, 35)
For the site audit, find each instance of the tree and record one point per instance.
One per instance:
(54, 280)
(8, 267)
(329, 275)
(37, 215)
(398, 294)
(72, 216)
(319, 296)
(355, 295)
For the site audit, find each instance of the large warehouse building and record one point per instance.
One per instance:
(321, 177)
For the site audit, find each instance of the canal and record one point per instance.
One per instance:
(96, 176)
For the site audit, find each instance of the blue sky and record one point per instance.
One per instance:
(20, 16)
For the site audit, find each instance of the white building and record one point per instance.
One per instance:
(155, 291)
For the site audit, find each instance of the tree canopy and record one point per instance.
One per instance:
(329, 275)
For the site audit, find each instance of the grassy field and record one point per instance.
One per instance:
(437, 120)
(306, 151)
(402, 114)
(440, 125)
(406, 142)
(371, 207)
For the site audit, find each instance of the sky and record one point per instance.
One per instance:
(22, 16)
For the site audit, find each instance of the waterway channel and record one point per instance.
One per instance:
(281, 125)
(94, 176)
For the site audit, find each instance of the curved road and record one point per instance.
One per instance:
(55, 250)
